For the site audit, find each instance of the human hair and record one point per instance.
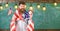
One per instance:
(21, 2)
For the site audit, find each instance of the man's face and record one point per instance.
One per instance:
(22, 7)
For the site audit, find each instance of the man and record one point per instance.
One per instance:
(22, 22)
(20, 19)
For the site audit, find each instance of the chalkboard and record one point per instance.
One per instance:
(49, 19)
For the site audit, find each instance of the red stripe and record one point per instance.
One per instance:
(16, 15)
(15, 19)
(28, 29)
(20, 15)
(12, 25)
(14, 29)
(31, 27)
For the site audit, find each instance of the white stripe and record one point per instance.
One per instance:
(12, 27)
(12, 23)
(18, 19)
(17, 12)
(29, 28)
(30, 22)
(13, 18)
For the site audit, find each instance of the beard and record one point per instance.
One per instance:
(22, 10)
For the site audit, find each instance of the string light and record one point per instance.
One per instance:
(44, 8)
(38, 6)
(15, 6)
(1, 7)
(55, 4)
(6, 5)
(31, 8)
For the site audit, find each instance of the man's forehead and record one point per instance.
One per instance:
(22, 4)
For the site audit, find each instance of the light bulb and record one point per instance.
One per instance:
(44, 8)
(31, 8)
(38, 6)
(6, 5)
(55, 4)
(1, 7)
(16, 6)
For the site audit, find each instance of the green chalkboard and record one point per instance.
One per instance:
(49, 19)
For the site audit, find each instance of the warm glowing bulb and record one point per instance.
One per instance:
(6, 5)
(31, 8)
(38, 6)
(55, 4)
(16, 6)
(1, 7)
(44, 8)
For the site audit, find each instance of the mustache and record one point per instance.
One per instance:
(22, 9)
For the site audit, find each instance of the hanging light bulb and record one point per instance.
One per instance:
(15, 6)
(1, 7)
(6, 5)
(44, 8)
(55, 4)
(31, 8)
(38, 6)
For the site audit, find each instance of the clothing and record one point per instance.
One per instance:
(19, 17)
(21, 26)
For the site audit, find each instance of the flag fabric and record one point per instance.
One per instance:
(30, 26)
(14, 19)
(17, 16)
(10, 11)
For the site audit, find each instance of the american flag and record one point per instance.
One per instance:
(16, 17)
(30, 26)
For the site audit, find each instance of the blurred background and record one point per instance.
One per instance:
(46, 14)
